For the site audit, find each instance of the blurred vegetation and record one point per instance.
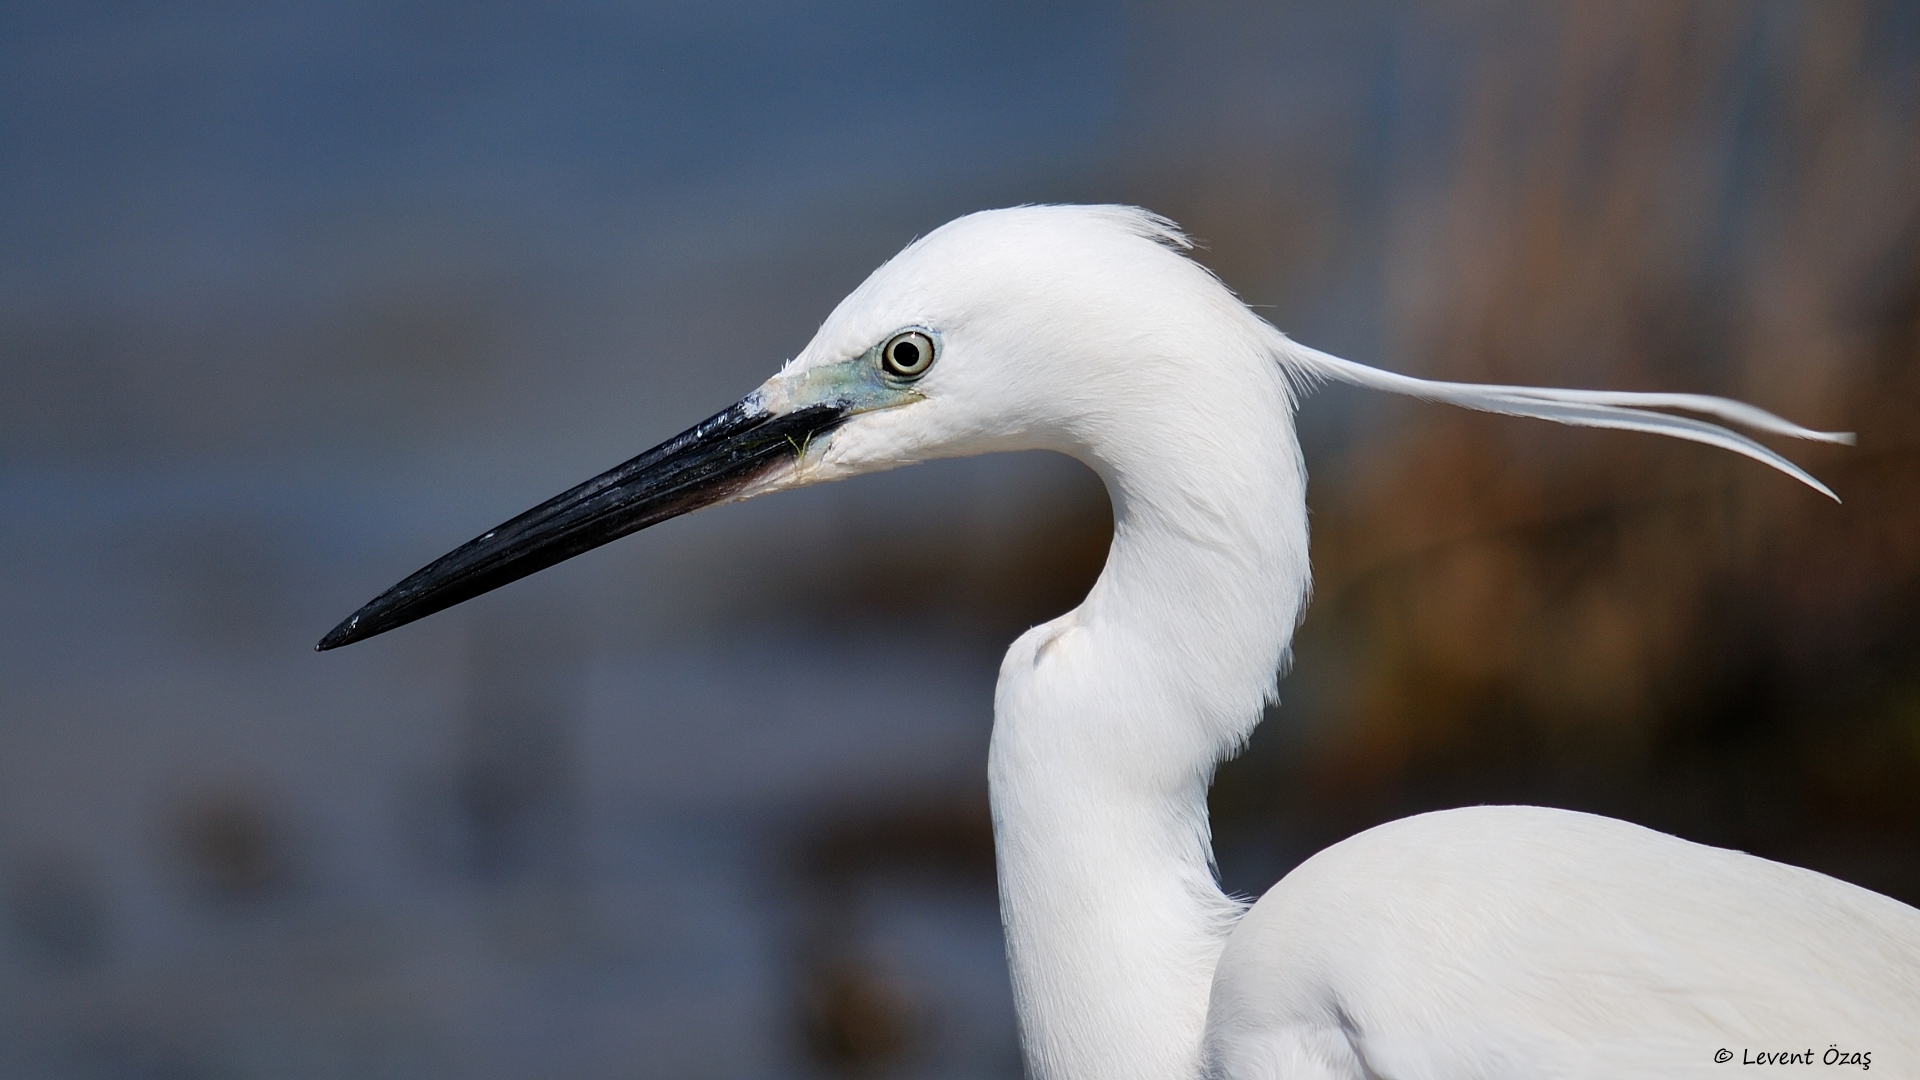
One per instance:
(1647, 196)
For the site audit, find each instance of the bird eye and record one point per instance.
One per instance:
(907, 354)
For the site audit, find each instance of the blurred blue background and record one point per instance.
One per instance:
(294, 298)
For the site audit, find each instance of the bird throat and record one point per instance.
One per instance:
(1108, 724)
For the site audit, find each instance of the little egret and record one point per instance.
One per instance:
(1475, 943)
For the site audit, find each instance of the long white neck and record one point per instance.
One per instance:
(1110, 720)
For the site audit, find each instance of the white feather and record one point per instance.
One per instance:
(1494, 942)
(1617, 409)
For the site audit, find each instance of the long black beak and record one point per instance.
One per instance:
(705, 464)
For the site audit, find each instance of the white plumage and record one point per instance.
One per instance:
(1490, 942)
(1516, 941)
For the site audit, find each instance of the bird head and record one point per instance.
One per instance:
(1038, 327)
(1081, 329)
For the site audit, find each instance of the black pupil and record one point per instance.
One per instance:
(906, 354)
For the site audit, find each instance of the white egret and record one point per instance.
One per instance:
(1485, 942)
